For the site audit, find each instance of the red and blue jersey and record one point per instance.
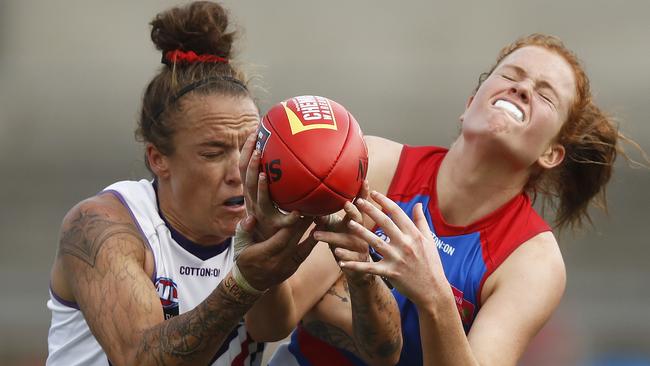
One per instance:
(469, 254)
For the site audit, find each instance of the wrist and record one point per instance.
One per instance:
(364, 285)
(435, 300)
(230, 288)
(243, 283)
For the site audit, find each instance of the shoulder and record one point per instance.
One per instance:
(91, 223)
(378, 144)
(518, 298)
(536, 264)
(383, 158)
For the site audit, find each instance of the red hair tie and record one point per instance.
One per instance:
(177, 56)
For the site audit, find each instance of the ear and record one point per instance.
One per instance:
(552, 157)
(157, 161)
(469, 101)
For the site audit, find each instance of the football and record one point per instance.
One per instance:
(313, 153)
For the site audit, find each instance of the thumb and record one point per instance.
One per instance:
(247, 223)
(243, 235)
(278, 241)
(303, 250)
(328, 223)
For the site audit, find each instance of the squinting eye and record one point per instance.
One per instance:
(546, 98)
(212, 155)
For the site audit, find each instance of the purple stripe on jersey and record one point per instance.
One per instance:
(203, 252)
(259, 350)
(70, 304)
(119, 196)
(226, 344)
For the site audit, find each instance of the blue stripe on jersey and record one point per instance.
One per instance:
(462, 260)
(294, 348)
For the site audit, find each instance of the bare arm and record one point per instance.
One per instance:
(102, 256)
(279, 310)
(337, 320)
(532, 278)
(374, 323)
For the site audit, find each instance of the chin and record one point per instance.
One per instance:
(230, 226)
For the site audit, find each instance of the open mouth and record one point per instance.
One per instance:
(511, 109)
(234, 201)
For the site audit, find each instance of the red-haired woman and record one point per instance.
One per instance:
(476, 271)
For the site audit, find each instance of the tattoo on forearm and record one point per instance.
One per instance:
(375, 339)
(332, 292)
(188, 336)
(332, 335)
(87, 234)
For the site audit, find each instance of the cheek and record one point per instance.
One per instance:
(548, 126)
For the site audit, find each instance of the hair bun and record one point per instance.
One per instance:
(200, 27)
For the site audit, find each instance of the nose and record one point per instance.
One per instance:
(232, 175)
(521, 92)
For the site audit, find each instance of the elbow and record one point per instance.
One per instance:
(269, 332)
(387, 353)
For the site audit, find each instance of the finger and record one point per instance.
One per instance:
(364, 193)
(342, 240)
(297, 231)
(420, 220)
(380, 218)
(328, 223)
(245, 155)
(303, 249)
(374, 268)
(288, 220)
(352, 212)
(299, 228)
(278, 242)
(368, 237)
(349, 255)
(263, 196)
(252, 176)
(398, 216)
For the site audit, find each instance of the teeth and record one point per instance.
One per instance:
(510, 108)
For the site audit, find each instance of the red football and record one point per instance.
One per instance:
(313, 154)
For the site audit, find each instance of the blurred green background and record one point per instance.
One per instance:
(72, 73)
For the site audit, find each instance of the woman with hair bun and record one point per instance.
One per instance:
(144, 273)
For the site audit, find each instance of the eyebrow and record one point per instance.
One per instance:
(521, 72)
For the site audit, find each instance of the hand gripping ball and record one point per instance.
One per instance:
(313, 154)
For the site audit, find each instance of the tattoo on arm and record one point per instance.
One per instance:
(375, 319)
(332, 335)
(88, 232)
(190, 336)
(332, 292)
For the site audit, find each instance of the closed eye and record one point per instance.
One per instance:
(547, 99)
(212, 155)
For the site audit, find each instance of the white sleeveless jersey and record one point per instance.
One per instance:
(181, 277)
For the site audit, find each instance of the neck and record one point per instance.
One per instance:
(172, 216)
(472, 183)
